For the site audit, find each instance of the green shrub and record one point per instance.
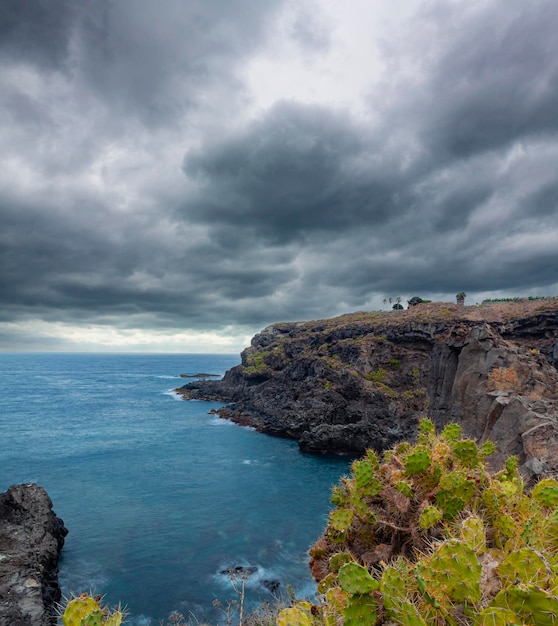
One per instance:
(256, 363)
(376, 376)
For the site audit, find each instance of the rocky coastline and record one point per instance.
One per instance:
(31, 537)
(364, 380)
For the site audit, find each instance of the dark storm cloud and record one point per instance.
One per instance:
(136, 190)
(491, 77)
(299, 171)
(36, 31)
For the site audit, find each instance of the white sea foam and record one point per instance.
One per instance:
(253, 581)
(219, 421)
(173, 394)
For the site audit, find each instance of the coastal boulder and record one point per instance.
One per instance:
(31, 537)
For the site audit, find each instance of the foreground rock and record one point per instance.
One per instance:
(363, 380)
(31, 537)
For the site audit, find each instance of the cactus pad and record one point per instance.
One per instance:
(467, 452)
(473, 533)
(487, 448)
(361, 610)
(546, 492)
(293, 617)
(451, 432)
(524, 566)
(77, 609)
(356, 579)
(365, 480)
(417, 461)
(429, 517)
(512, 463)
(93, 619)
(341, 519)
(337, 561)
(339, 497)
(450, 504)
(426, 427)
(497, 616)
(403, 487)
(452, 572)
(533, 605)
(114, 620)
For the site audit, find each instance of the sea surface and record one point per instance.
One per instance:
(160, 497)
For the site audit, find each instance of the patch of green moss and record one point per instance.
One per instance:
(376, 376)
(256, 363)
(386, 390)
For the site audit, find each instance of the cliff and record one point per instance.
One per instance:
(31, 537)
(363, 380)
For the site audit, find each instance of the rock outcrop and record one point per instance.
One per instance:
(31, 537)
(363, 380)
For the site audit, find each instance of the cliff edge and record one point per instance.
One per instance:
(364, 379)
(31, 537)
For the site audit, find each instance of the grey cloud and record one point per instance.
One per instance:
(303, 212)
(309, 30)
(496, 82)
(301, 169)
(159, 62)
(138, 57)
(36, 31)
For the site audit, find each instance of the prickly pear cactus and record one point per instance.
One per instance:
(428, 535)
(78, 609)
(84, 610)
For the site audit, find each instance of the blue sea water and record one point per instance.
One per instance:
(159, 496)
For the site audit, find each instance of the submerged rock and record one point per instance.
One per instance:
(363, 380)
(31, 537)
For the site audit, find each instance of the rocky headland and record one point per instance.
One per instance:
(31, 537)
(363, 380)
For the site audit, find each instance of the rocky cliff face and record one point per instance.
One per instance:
(363, 380)
(31, 537)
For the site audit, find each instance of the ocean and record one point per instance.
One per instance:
(160, 497)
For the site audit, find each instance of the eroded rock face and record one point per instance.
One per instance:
(31, 537)
(364, 380)
(500, 390)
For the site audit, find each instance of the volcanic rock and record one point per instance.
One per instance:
(365, 379)
(31, 537)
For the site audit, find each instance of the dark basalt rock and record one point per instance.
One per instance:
(271, 585)
(243, 571)
(364, 380)
(31, 537)
(201, 375)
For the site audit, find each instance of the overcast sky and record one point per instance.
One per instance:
(177, 174)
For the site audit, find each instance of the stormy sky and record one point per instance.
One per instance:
(176, 175)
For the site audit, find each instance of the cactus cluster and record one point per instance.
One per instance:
(428, 535)
(84, 610)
